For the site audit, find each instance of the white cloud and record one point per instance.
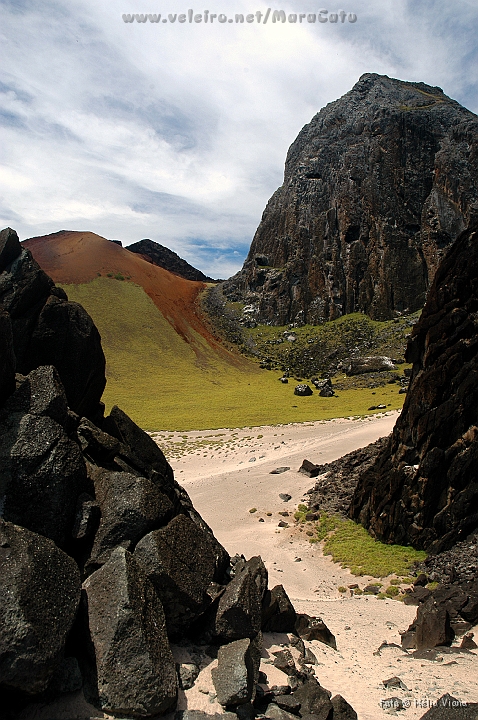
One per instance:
(179, 132)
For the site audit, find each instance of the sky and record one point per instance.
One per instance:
(178, 132)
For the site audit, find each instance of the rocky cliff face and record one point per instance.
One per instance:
(159, 255)
(376, 187)
(422, 490)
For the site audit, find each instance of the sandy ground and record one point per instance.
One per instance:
(227, 473)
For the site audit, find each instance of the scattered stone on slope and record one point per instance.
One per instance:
(39, 595)
(180, 561)
(132, 671)
(310, 469)
(302, 390)
(360, 365)
(237, 672)
(313, 628)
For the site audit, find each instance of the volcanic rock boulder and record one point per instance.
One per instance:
(239, 612)
(39, 595)
(133, 670)
(314, 700)
(50, 330)
(432, 626)
(278, 614)
(10, 247)
(149, 455)
(376, 187)
(237, 672)
(180, 560)
(42, 471)
(131, 507)
(422, 489)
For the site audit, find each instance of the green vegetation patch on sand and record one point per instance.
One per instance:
(154, 375)
(352, 547)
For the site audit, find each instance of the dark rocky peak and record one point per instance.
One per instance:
(422, 489)
(376, 187)
(159, 255)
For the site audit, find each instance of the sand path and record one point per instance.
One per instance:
(227, 472)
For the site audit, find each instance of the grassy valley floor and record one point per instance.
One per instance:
(170, 381)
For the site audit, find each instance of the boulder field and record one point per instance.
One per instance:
(103, 559)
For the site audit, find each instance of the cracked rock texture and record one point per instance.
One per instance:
(376, 187)
(422, 488)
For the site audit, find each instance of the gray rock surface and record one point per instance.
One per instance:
(133, 671)
(180, 561)
(42, 473)
(10, 247)
(131, 507)
(432, 626)
(314, 700)
(237, 672)
(39, 595)
(450, 708)
(361, 365)
(376, 187)
(342, 709)
(239, 611)
(312, 628)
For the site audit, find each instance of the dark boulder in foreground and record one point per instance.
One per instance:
(50, 330)
(39, 596)
(135, 670)
(422, 490)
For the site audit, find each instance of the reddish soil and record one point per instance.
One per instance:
(78, 257)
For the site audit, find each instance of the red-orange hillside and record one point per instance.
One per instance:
(77, 257)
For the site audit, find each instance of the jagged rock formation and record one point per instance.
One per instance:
(376, 187)
(48, 329)
(103, 558)
(422, 489)
(157, 254)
